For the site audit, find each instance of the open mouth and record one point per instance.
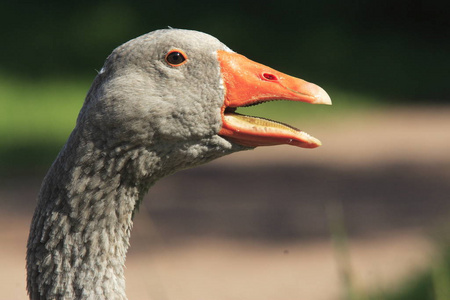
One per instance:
(254, 131)
(248, 83)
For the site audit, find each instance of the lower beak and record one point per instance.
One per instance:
(248, 83)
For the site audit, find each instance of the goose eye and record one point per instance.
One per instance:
(176, 58)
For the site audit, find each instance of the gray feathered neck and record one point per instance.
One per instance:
(142, 120)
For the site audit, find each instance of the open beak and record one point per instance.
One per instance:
(248, 83)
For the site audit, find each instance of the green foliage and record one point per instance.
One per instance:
(433, 284)
(35, 111)
(36, 118)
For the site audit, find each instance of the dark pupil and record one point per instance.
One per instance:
(175, 58)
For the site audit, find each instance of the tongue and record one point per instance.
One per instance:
(254, 132)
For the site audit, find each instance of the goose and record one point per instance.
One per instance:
(162, 102)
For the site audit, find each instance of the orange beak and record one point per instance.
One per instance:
(247, 83)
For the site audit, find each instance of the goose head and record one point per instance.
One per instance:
(177, 91)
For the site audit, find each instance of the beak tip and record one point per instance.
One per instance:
(322, 97)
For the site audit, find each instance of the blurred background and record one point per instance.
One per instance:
(366, 216)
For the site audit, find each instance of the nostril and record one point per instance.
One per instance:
(269, 76)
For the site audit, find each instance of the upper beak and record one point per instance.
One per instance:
(246, 83)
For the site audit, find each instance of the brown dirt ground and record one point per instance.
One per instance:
(255, 225)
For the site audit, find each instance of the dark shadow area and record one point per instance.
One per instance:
(289, 202)
(27, 159)
(396, 50)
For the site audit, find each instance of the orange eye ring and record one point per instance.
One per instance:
(176, 57)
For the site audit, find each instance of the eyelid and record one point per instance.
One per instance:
(182, 53)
